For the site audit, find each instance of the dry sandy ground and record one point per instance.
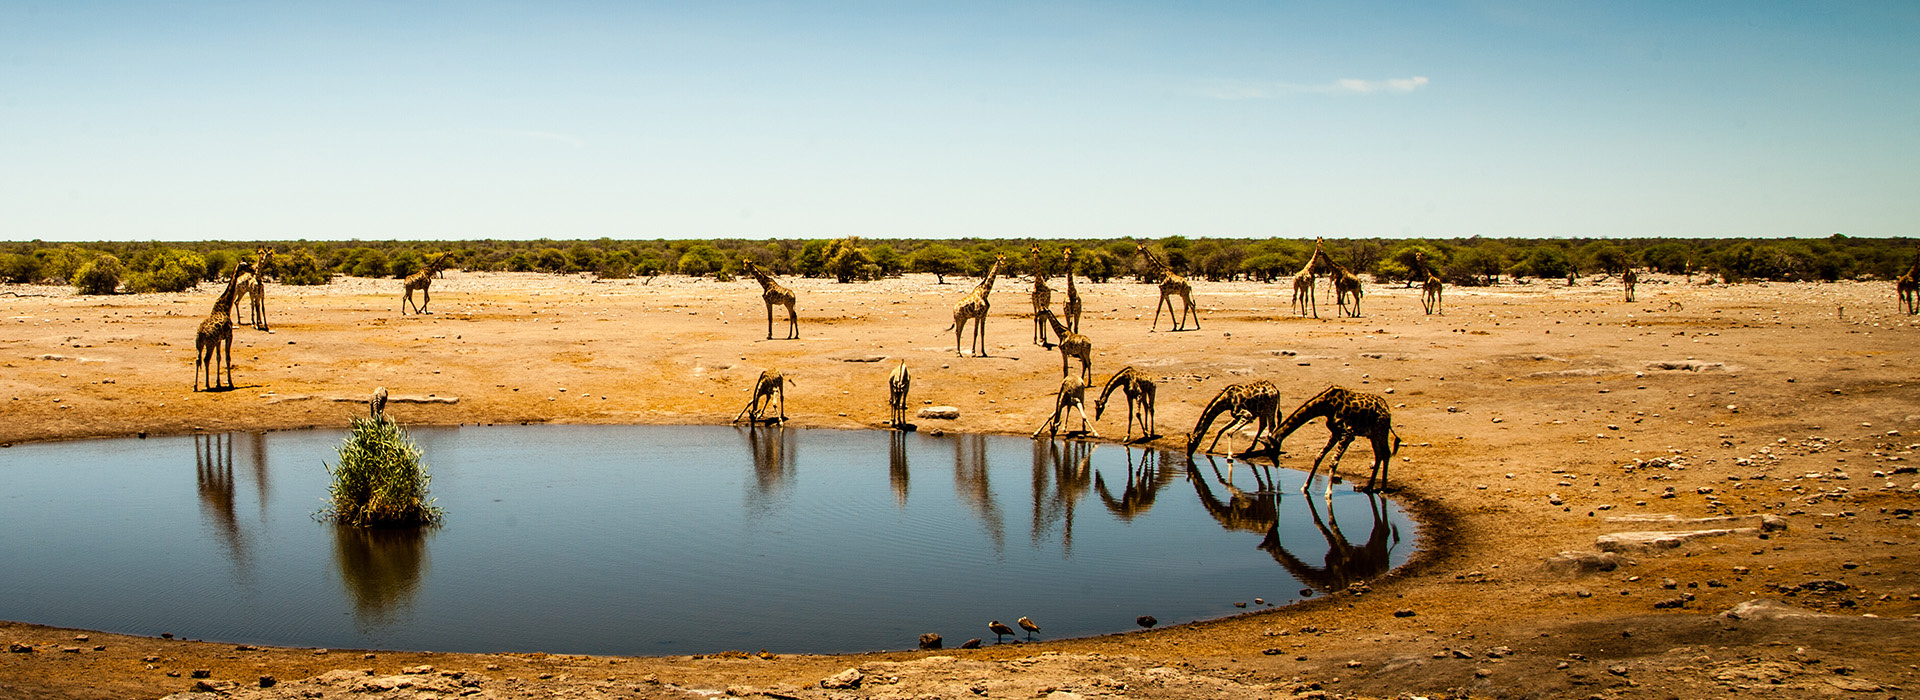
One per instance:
(1538, 418)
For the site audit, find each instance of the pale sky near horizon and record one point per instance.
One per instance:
(581, 120)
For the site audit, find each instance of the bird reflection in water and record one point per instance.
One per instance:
(381, 569)
(1344, 564)
(773, 465)
(897, 471)
(1143, 484)
(971, 485)
(1061, 476)
(213, 476)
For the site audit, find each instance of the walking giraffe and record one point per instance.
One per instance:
(770, 388)
(422, 280)
(1349, 414)
(1431, 289)
(1629, 279)
(1909, 286)
(1071, 345)
(1042, 297)
(256, 290)
(1171, 285)
(1071, 308)
(213, 344)
(973, 307)
(1303, 284)
(1139, 392)
(1257, 403)
(898, 384)
(773, 292)
(1345, 284)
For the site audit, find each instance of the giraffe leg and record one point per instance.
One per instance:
(1345, 440)
(1085, 424)
(793, 323)
(1156, 312)
(769, 320)
(1382, 459)
(1331, 441)
(426, 297)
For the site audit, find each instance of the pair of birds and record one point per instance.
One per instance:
(1000, 630)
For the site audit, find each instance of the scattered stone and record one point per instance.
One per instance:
(219, 687)
(940, 412)
(971, 643)
(1146, 621)
(930, 640)
(267, 681)
(19, 648)
(1582, 562)
(844, 680)
(201, 673)
(1828, 585)
(1271, 652)
(1650, 541)
(1766, 609)
(1407, 612)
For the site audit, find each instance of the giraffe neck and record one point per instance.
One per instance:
(1119, 378)
(1316, 407)
(1059, 329)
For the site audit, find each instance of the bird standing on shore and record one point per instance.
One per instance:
(1000, 630)
(1027, 625)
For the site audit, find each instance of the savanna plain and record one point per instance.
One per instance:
(1765, 432)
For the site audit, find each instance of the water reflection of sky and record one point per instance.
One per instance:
(633, 539)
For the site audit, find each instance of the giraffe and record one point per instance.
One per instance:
(897, 386)
(1072, 396)
(973, 307)
(1257, 403)
(213, 344)
(256, 290)
(1171, 285)
(1139, 391)
(1909, 287)
(1349, 414)
(1303, 284)
(1630, 279)
(1072, 345)
(377, 407)
(1071, 308)
(1431, 289)
(774, 293)
(1042, 298)
(771, 387)
(1345, 284)
(422, 280)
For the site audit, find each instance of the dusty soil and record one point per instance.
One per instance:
(1538, 418)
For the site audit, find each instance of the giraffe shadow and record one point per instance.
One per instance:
(905, 427)
(225, 389)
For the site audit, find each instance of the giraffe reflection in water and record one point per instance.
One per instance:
(897, 471)
(1143, 484)
(773, 466)
(972, 487)
(1061, 476)
(381, 570)
(1258, 511)
(213, 477)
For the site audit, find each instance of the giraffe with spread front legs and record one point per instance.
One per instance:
(769, 389)
(1139, 392)
(1257, 403)
(1042, 297)
(1349, 414)
(421, 281)
(973, 307)
(1171, 285)
(213, 344)
(772, 292)
(1072, 396)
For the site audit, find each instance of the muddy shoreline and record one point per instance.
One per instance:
(1531, 412)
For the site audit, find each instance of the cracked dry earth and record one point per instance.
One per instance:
(1706, 493)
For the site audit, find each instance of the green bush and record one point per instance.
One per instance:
(298, 267)
(380, 480)
(101, 276)
(19, 269)
(165, 270)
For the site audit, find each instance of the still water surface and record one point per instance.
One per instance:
(665, 540)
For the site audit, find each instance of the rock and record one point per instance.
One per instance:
(267, 681)
(1686, 365)
(844, 680)
(1649, 541)
(1679, 602)
(971, 643)
(201, 673)
(1581, 562)
(1767, 609)
(1408, 612)
(1146, 621)
(1829, 585)
(19, 648)
(417, 670)
(862, 358)
(220, 687)
(930, 640)
(939, 412)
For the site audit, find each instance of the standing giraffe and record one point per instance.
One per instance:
(257, 290)
(1629, 279)
(1909, 287)
(973, 307)
(1072, 305)
(1071, 345)
(1345, 284)
(773, 292)
(1303, 284)
(1431, 289)
(1257, 403)
(1171, 285)
(1042, 298)
(213, 344)
(770, 388)
(422, 280)
(1072, 396)
(1139, 391)
(1349, 414)
(898, 384)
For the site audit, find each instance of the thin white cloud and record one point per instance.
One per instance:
(1245, 90)
(535, 135)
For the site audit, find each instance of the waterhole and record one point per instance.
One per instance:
(666, 540)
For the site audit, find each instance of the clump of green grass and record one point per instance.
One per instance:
(380, 480)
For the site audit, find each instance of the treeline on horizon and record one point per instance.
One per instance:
(110, 267)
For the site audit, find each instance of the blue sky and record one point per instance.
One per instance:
(418, 120)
